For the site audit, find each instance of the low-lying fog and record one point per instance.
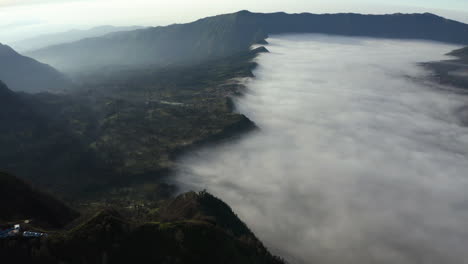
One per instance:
(358, 159)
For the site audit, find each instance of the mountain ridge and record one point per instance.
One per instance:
(119, 235)
(45, 40)
(25, 74)
(224, 35)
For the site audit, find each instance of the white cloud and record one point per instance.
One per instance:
(354, 162)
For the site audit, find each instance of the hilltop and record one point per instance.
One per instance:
(209, 233)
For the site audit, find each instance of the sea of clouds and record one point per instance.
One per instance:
(359, 159)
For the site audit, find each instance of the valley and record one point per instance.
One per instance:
(333, 137)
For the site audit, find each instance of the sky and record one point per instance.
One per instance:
(26, 18)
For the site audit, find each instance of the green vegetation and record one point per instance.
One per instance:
(19, 201)
(106, 147)
(143, 98)
(158, 113)
(207, 231)
(204, 207)
(121, 127)
(40, 147)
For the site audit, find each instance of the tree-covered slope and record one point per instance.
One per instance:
(39, 147)
(21, 73)
(20, 201)
(204, 207)
(110, 236)
(224, 35)
(175, 44)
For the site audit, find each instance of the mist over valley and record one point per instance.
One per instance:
(236, 136)
(363, 154)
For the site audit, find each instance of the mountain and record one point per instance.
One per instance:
(28, 75)
(224, 35)
(460, 53)
(425, 26)
(38, 144)
(174, 44)
(46, 40)
(204, 207)
(20, 201)
(110, 236)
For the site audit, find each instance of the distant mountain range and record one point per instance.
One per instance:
(46, 40)
(21, 73)
(224, 35)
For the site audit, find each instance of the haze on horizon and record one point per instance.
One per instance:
(25, 19)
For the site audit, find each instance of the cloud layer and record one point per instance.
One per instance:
(358, 159)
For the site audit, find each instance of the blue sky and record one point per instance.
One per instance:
(27, 17)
